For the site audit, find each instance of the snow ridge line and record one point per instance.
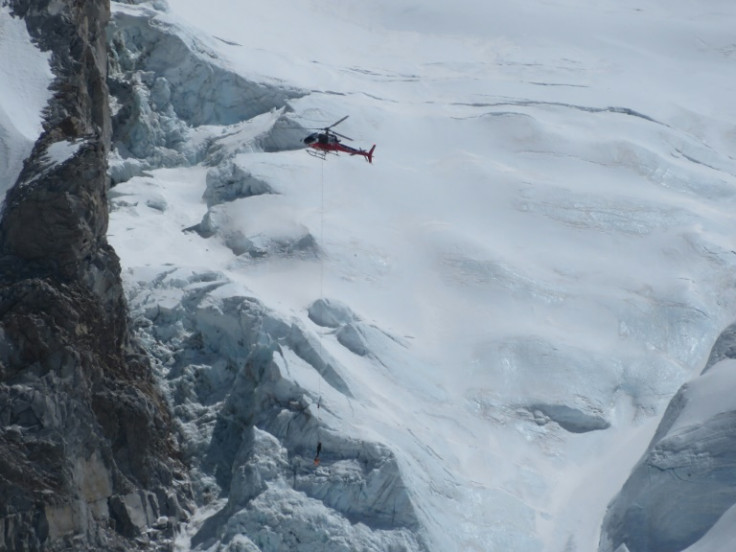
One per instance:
(588, 109)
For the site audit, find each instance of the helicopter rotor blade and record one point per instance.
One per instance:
(341, 135)
(338, 122)
(328, 130)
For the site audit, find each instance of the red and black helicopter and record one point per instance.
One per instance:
(328, 141)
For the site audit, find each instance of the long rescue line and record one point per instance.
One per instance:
(327, 141)
(320, 144)
(322, 297)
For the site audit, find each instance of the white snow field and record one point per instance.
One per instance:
(25, 76)
(484, 326)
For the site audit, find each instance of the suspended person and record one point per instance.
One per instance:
(316, 456)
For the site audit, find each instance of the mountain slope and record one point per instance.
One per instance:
(538, 258)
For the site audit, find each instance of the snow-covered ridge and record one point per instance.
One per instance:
(175, 103)
(685, 482)
(25, 76)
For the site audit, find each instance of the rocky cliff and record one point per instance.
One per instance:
(87, 458)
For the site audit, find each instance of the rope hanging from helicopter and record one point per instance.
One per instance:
(321, 301)
(320, 143)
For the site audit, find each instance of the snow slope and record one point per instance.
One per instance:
(680, 495)
(540, 255)
(25, 76)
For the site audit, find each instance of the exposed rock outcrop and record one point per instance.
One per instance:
(87, 458)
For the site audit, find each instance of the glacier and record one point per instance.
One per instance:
(486, 326)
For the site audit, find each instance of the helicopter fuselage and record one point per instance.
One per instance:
(327, 141)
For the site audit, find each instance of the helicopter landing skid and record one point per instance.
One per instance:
(317, 153)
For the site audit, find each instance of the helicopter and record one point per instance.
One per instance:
(328, 141)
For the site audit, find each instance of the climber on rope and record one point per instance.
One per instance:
(319, 442)
(316, 457)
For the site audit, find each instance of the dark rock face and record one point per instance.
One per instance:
(87, 457)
